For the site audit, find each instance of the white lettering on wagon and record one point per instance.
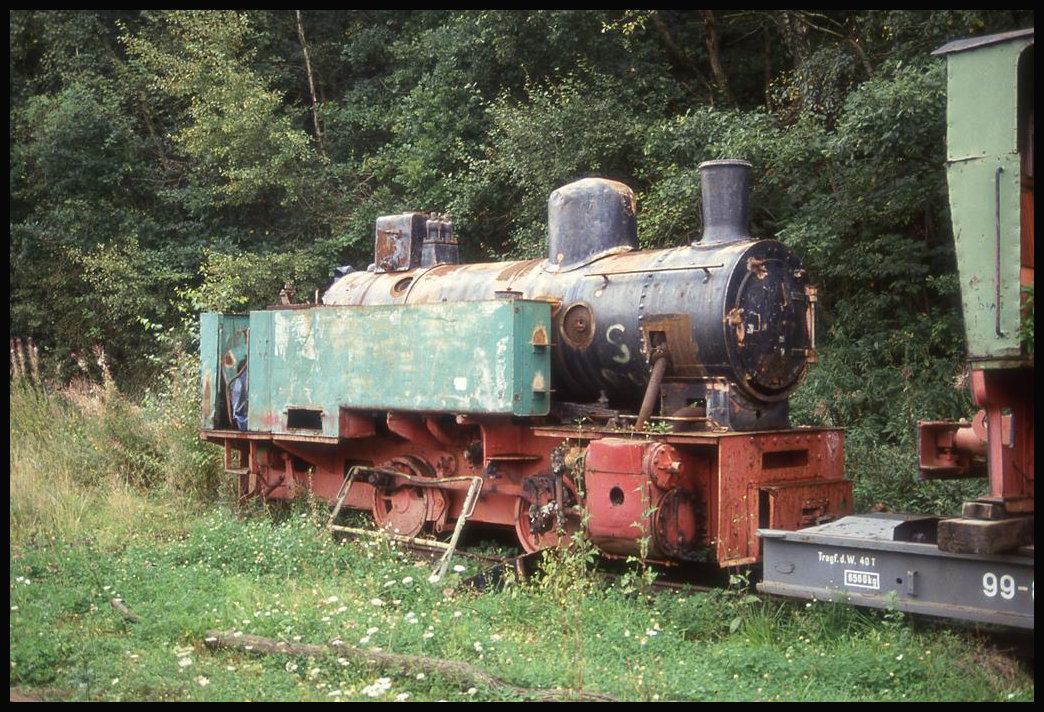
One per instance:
(842, 558)
(863, 579)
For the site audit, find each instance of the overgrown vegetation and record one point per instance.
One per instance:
(167, 162)
(104, 506)
(87, 461)
(291, 582)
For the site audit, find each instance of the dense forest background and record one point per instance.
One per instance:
(168, 162)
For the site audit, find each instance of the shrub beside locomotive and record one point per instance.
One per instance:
(646, 387)
(978, 566)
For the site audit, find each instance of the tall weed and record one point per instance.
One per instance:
(82, 452)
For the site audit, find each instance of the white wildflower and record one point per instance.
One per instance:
(378, 688)
(203, 681)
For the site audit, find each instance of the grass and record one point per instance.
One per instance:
(291, 581)
(87, 527)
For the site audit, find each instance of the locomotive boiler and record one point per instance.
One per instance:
(732, 316)
(645, 388)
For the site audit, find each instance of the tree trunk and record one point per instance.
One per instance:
(311, 82)
(461, 673)
(677, 55)
(714, 51)
(794, 32)
(766, 45)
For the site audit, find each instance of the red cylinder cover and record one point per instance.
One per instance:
(643, 499)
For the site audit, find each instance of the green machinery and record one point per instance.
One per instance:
(989, 160)
(978, 566)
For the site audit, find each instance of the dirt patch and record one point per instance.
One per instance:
(17, 696)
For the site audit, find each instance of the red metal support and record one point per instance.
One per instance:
(1007, 397)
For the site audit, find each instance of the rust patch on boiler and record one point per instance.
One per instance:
(517, 269)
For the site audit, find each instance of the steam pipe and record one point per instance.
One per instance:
(652, 392)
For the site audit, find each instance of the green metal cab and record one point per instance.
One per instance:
(989, 140)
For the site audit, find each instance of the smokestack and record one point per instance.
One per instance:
(725, 200)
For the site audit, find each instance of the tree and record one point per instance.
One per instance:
(162, 161)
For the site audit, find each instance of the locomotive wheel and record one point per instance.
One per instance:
(534, 536)
(405, 510)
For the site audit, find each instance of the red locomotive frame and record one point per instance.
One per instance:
(689, 496)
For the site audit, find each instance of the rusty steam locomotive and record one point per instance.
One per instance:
(647, 388)
(642, 395)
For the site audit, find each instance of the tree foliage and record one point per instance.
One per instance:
(168, 161)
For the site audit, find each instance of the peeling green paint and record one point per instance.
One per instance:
(465, 358)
